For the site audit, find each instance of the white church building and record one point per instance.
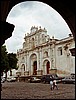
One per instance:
(42, 55)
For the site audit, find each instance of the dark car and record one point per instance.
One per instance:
(47, 78)
(69, 80)
(34, 80)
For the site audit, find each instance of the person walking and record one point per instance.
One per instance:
(55, 84)
(51, 84)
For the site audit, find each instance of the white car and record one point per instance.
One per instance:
(11, 79)
(3, 80)
(68, 79)
(34, 80)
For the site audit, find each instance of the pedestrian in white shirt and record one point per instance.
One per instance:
(51, 84)
(55, 84)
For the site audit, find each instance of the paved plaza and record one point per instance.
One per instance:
(23, 90)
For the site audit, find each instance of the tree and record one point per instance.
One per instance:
(8, 60)
(12, 62)
(4, 60)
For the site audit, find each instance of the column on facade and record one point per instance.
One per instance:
(22, 65)
(52, 58)
(22, 70)
(19, 64)
(42, 67)
(49, 54)
(28, 63)
(25, 62)
(68, 60)
(72, 60)
(31, 68)
(40, 59)
(37, 60)
(37, 40)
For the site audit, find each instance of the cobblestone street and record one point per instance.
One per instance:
(22, 90)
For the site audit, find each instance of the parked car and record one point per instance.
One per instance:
(47, 78)
(3, 80)
(34, 80)
(11, 79)
(72, 75)
(69, 79)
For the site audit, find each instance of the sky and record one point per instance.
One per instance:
(33, 13)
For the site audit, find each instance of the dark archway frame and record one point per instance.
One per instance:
(66, 8)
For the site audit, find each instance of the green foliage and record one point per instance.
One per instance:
(12, 61)
(8, 61)
(4, 59)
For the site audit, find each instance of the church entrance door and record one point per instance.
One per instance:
(35, 68)
(48, 66)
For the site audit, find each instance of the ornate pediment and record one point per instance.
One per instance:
(66, 47)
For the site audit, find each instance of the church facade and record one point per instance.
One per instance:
(42, 55)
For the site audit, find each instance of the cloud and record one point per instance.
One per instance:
(27, 4)
(33, 13)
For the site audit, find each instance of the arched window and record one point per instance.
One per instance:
(45, 54)
(33, 44)
(60, 51)
(32, 39)
(23, 67)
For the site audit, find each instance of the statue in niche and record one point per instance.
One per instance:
(33, 43)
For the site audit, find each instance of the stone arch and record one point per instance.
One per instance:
(46, 54)
(67, 11)
(46, 66)
(22, 69)
(33, 64)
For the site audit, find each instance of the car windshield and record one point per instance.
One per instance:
(34, 78)
(54, 76)
(68, 77)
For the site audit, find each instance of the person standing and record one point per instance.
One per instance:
(51, 84)
(55, 84)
